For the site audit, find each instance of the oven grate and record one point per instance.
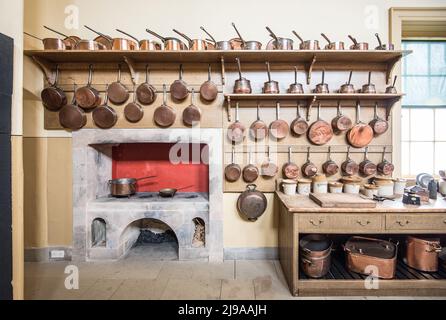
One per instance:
(339, 271)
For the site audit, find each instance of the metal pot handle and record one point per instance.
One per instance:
(306, 261)
(435, 247)
(251, 187)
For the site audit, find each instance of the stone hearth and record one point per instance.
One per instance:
(92, 163)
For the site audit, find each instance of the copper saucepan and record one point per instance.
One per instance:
(145, 44)
(170, 43)
(336, 45)
(49, 43)
(307, 44)
(279, 43)
(248, 45)
(218, 45)
(70, 41)
(120, 44)
(195, 44)
(358, 45)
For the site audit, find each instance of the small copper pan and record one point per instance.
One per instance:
(341, 123)
(192, 114)
(146, 93)
(89, 45)
(258, 129)
(71, 116)
(88, 97)
(209, 90)
(117, 91)
(279, 128)
(233, 170)
(367, 167)
(236, 131)
(250, 172)
(195, 44)
(53, 98)
(358, 45)
(290, 170)
(164, 115)
(299, 126)
(133, 112)
(269, 168)
(349, 167)
(178, 89)
(105, 116)
(336, 45)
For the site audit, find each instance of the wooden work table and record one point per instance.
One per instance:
(300, 215)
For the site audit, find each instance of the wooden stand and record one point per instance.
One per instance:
(299, 215)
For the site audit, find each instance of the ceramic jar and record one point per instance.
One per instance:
(352, 184)
(370, 190)
(304, 186)
(385, 186)
(399, 186)
(335, 187)
(320, 184)
(289, 187)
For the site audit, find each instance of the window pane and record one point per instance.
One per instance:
(405, 156)
(416, 62)
(421, 157)
(405, 124)
(440, 124)
(440, 156)
(437, 95)
(438, 58)
(416, 90)
(421, 124)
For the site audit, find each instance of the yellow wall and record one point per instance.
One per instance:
(360, 17)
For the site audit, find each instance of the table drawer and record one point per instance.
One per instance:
(357, 222)
(340, 223)
(416, 222)
(314, 222)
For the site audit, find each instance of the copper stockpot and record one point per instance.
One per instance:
(422, 253)
(315, 256)
(369, 255)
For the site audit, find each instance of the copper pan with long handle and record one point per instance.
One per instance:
(320, 131)
(279, 128)
(361, 134)
(233, 170)
(145, 44)
(250, 172)
(290, 170)
(236, 131)
(70, 41)
(53, 98)
(164, 116)
(258, 129)
(170, 43)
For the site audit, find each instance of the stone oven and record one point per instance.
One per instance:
(106, 228)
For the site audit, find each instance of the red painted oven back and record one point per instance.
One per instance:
(136, 160)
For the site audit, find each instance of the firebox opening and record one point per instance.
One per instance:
(98, 233)
(155, 240)
(199, 238)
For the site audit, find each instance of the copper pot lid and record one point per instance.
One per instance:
(371, 247)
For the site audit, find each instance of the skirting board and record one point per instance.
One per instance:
(43, 254)
(263, 253)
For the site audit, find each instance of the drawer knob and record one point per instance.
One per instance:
(318, 223)
(362, 223)
(403, 223)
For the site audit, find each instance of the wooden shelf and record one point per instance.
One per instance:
(305, 56)
(330, 100)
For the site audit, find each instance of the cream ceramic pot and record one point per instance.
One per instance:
(385, 187)
(304, 186)
(335, 187)
(320, 184)
(289, 187)
(352, 187)
(370, 190)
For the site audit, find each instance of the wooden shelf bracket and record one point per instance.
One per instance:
(132, 67)
(309, 69)
(46, 68)
(389, 108)
(223, 71)
(390, 66)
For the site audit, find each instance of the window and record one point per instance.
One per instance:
(424, 107)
